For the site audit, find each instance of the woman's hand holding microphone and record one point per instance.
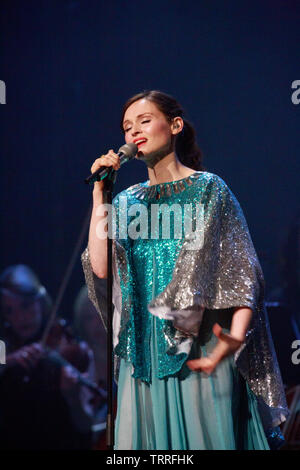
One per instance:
(109, 159)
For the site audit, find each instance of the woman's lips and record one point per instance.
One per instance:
(140, 143)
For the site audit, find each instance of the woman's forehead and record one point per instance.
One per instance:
(138, 108)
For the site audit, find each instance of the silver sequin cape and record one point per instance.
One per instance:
(223, 273)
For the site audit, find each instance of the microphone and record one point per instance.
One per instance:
(126, 152)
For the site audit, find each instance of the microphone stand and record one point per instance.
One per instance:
(108, 191)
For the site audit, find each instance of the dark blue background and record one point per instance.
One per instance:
(70, 65)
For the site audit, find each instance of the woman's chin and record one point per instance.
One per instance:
(141, 156)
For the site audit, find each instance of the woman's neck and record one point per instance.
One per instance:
(168, 169)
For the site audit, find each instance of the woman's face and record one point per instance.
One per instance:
(146, 126)
(24, 317)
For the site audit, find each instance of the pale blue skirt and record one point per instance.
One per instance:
(191, 411)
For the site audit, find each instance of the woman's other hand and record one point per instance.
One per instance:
(226, 346)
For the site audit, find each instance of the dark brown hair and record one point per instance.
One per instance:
(186, 147)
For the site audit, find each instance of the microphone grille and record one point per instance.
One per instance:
(129, 150)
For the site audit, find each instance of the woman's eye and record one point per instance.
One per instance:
(143, 122)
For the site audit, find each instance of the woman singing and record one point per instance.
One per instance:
(197, 368)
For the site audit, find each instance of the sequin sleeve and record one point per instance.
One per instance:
(91, 282)
(224, 273)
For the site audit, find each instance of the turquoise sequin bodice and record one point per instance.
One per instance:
(151, 259)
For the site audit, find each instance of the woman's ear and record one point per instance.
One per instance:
(177, 125)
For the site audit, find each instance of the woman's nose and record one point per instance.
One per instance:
(135, 129)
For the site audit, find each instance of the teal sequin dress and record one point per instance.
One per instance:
(167, 296)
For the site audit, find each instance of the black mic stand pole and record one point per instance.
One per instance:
(108, 192)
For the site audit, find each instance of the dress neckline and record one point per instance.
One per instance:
(167, 189)
(170, 182)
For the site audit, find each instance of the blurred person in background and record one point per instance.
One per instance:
(41, 404)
